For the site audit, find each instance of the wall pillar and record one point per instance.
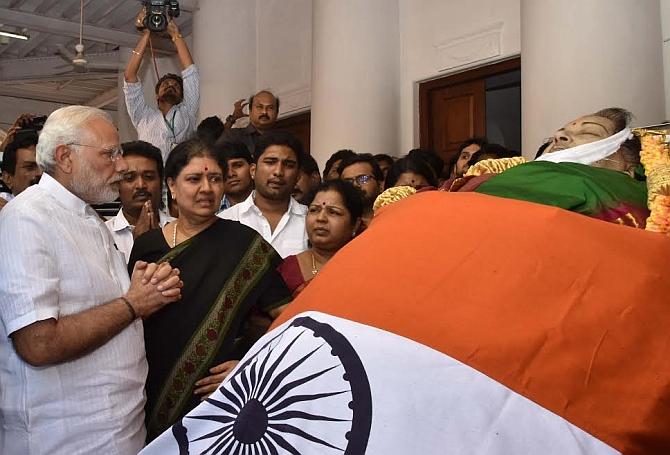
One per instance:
(355, 77)
(579, 57)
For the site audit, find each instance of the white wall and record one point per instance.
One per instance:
(590, 55)
(355, 77)
(665, 30)
(440, 37)
(243, 46)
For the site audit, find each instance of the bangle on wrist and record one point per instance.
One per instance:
(176, 37)
(133, 313)
(136, 53)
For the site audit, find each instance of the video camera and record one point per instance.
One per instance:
(159, 13)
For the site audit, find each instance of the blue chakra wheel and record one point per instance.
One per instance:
(305, 391)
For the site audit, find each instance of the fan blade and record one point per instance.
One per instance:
(104, 66)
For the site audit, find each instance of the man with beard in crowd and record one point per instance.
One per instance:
(363, 172)
(71, 335)
(174, 120)
(140, 194)
(270, 209)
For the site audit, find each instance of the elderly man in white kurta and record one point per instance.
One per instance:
(71, 339)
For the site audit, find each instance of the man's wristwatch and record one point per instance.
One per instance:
(231, 119)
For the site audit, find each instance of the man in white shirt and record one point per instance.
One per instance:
(71, 338)
(174, 119)
(140, 193)
(270, 209)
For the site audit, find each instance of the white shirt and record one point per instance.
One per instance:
(288, 238)
(58, 259)
(122, 231)
(6, 196)
(177, 125)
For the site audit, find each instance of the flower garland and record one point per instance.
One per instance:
(392, 195)
(655, 157)
(494, 165)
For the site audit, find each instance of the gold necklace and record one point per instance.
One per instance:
(314, 269)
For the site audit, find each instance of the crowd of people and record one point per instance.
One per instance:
(113, 330)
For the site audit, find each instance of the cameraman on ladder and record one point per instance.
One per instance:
(174, 119)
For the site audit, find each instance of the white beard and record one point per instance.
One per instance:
(91, 189)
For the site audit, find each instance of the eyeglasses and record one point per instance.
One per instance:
(113, 153)
(360, 179)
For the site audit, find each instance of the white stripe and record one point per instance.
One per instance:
(423, 401)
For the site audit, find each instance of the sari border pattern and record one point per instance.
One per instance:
(199, 352)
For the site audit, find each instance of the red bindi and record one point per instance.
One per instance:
(206, 169)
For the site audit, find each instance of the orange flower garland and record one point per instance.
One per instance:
(655, 157)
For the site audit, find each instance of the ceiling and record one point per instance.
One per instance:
(34, 70)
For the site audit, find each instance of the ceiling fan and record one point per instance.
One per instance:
(78, 61)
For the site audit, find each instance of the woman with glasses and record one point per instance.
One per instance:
(333, 219)
(227, 270)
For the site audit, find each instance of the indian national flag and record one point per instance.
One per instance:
(460, 323)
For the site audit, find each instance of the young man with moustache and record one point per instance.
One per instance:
(238, 184)
(140, 193)
(270, 209)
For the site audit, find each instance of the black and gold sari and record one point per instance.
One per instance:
(228, 270)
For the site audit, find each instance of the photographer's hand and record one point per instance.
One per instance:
(20, 122)
(130, 74)
(185, 58)
(139, 20)
(173, 30)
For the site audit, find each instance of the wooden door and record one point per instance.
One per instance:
(452, 109)
(457, 113)
(299, 125)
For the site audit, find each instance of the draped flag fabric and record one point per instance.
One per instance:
(459, 323)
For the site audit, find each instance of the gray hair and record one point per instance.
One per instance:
(64, 126)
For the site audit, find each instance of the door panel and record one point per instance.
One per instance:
(299, 125)
(452, 109)
(457, 114)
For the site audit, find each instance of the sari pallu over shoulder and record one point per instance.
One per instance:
(227, 270)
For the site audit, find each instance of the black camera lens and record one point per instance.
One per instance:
(157, 22)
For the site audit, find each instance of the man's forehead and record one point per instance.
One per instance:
(26, 152)
(356, 169)
(281, 152)
(264, 98)
(102, 130)
(140, 163)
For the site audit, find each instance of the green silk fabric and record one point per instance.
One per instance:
(596, 192)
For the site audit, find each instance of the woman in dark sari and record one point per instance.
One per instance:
(228, 270)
